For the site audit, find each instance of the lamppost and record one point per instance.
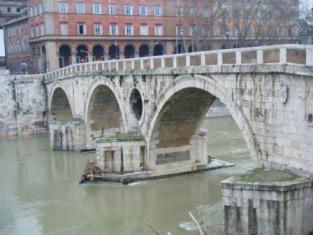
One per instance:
(227, 37)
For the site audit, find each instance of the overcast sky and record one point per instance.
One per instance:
(1, 43)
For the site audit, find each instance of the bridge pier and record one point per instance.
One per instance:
(283, 207)
(68, 136)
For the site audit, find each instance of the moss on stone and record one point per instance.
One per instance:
(121, 137)
(267, 175)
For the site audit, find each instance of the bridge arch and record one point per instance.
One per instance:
(201, 92)
(59, 104)
(103, 111)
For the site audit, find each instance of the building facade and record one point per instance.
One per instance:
(10, 9)
(72, 31)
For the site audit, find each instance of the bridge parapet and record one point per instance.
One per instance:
(278, 54)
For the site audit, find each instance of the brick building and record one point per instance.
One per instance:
(73, 31)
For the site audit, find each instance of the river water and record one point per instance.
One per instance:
(39, 191)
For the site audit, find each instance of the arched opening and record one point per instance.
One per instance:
(136, 103)
(176, 135)
(114, 52)
(180, 48)
(104, 114)
(129, 51)
(64, 56)
(60, 108)
(82, 54)
(98, 53)
(158, 50)
(143, 50)
(192, 48)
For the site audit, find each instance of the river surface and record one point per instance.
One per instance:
(39, 191)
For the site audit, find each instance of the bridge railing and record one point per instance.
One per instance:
(277, 54)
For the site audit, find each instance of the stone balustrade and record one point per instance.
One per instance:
(277, 54)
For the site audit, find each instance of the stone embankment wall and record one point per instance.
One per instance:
(23, 105)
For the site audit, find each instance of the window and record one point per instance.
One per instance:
(81, 29)
(143, 10)
(205, 12)
(40, 8)
(113, 29)
(9, 9)
(129, 29)
(98, 29)
(63, 29)
(31, 13)
(80, 8)
(158, 30)
(112, 9)
(157, 11)
(144, 30)
(179, 11)
(128, 10)
(96, 9)
(179, 30)
(35, 10)
(63, 7)
(192, 30)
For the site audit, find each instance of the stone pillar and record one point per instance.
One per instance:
(136, 52)
(122, 54)
(53, 59)
(90, 56)
(151, 46)
(106, 54)
(278, 208)
(68, 136)
(73, 51)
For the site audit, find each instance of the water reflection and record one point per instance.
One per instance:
(39, 193)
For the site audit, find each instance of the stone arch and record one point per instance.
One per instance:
(192, 48)
(179, 48)
(82, 53)
(65, 54)
(143, 50)
(98, 52)
(158, 50)
(60, 107)
(104, 113)
(208, 90)
(114, 52)
(129, 51)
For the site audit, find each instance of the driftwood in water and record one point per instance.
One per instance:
(90, 172)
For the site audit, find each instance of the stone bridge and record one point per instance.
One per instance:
(268, 91)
